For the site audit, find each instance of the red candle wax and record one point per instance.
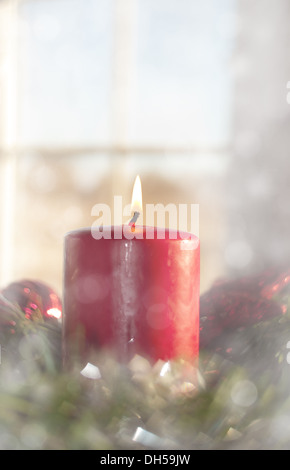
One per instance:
(137, 296)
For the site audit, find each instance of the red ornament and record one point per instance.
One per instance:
(36, 299)
(242, 302)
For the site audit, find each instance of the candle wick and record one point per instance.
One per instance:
(134, 219)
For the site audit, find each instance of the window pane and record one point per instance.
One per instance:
(181, 92)
(65, 71)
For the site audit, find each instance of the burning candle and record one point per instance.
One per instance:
(129, 291)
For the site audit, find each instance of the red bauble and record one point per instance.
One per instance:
(242, 302)
(36, 299)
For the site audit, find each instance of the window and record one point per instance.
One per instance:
(96, 92)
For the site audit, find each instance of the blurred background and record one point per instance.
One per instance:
(190, 94)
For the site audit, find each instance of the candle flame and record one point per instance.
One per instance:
(136, 204)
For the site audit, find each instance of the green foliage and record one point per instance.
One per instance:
(233, 401)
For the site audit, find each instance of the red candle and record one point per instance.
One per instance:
(131, 296)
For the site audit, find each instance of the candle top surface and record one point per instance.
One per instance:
(139, 232)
